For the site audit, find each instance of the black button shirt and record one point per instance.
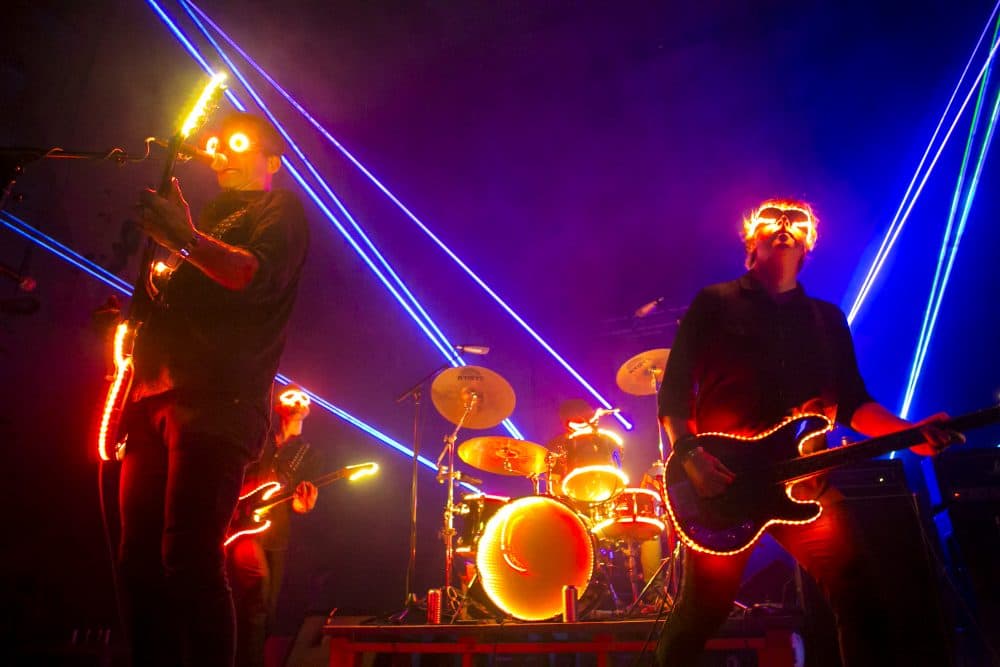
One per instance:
(743, 361)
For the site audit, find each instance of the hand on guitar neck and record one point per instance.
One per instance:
(306, 494)
(873, 419)
(167, 219)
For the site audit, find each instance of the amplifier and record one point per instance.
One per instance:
(877, 478)
(967, 475)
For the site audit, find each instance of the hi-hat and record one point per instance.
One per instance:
(504, 456)
(490, 397)
(641, 375)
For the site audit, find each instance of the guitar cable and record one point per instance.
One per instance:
(109, 545)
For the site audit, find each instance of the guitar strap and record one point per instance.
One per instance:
(812, 489)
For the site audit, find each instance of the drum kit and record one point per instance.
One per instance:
(580, 520)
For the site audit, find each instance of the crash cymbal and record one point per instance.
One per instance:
(641, 374)
(491, 397)
(503, 456)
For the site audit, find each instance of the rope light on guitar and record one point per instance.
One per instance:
(760, 493)
(695, 519)
(250, 517)
(111, 438)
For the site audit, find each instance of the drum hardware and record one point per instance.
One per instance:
(641, 376)
(669, 572)
(473, 397)
(415, 392)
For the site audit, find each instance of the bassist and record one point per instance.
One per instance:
(749, 353)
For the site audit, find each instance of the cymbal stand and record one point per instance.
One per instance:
(416, 393)
(449, 473)
(668, 567)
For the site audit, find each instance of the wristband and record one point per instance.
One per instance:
(685, 445)
(185, 250)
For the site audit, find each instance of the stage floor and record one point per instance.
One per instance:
(766, 642)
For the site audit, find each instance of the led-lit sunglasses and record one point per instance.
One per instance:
(238, 143)
(797, 219)
(293, 398)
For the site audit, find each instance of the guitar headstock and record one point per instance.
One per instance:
(207, 102)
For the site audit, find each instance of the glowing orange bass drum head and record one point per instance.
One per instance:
(529, 550)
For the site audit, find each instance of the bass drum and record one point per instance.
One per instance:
(529, 550)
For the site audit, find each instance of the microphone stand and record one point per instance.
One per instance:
(416, 392)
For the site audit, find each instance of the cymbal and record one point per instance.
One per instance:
(641, 374)
(504, 456)
(455, 389)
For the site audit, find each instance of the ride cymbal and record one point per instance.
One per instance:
(640, 375)
(504, 456)
(490, 397)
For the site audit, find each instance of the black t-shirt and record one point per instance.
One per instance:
(742, 361)
(207, 340)
(295, 461)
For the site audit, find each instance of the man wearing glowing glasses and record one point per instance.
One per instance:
(204, 364)
(749, 353)
(257, 562)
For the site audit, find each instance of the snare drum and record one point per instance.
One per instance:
(591, 466)
(635, 514)
(474, 512)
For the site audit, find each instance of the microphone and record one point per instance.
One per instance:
(648, 308)
(215, 161)
(473, 349)
(27, 283)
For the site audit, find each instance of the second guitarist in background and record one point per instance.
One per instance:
(256, 563)
(748, 354)
(205, 360)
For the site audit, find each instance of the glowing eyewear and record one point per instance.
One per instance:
(293, 398)
(238, 143)
(797, 221)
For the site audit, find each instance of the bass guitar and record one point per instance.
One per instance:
(765, 468)
(250, 517)
(110, 435)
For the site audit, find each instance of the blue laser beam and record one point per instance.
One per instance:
(895, 227)
(937, 295)
(446, 348)
(19, 226)
(434, 334)
(444, 247)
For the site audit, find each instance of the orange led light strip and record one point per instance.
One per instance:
(122, 382)
(592, 469)
(788, 487)
(274, 488)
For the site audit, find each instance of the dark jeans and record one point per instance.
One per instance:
(829, 549)
(255, 574)
(180, 481)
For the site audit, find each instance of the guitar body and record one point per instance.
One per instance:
(111, 437)
(733, 521)
(250, 517)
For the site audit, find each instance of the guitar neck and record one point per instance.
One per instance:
(818, 462)
(285, 496)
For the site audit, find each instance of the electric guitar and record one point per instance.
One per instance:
(110, 435)
(765, 467)
(250, 517)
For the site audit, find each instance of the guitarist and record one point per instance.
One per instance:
(256, 563)
(747, 354)
(205, 359)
